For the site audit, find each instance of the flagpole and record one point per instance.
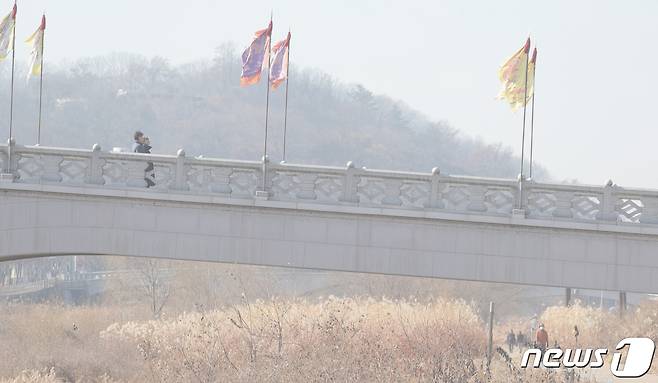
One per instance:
(267, 104)
(43, 42)
(11, 95)
(532, 117)
(285, 112)
(525, 106)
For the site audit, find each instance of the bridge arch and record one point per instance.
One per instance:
(53, 220)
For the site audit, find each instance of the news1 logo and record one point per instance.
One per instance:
(637, 363)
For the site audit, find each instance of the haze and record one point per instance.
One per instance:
(595, 74)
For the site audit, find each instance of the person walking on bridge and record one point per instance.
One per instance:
(150, 169)
(142, 144)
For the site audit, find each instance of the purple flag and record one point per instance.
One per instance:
(256, 56)
(279, 69)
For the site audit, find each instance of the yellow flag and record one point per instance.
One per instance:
(7, 29)
(513, 76)
(36, 54)
(531, 75)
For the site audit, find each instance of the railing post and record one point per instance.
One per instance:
(520, 198)
(95, 170)
(180, 179)
(10, 163)
(608, 202)
(350, 184)
(436, 199)
(262, 192)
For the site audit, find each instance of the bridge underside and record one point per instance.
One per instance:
(37, 223)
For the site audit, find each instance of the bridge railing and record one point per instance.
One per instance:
(348, 186)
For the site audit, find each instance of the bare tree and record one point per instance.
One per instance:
(155, 287)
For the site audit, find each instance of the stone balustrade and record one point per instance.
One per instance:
(350, 186)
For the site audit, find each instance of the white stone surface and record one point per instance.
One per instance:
(42, 223)
(64, 201)
(348, 190)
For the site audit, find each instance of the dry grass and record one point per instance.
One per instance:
(276, 340)
(34, 376)
(332, 340)
(600, 328)
(60, 340)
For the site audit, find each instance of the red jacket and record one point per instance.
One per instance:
(542, 338)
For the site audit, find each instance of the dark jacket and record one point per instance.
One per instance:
(141, 148)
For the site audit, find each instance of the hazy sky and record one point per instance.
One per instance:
(596, 73)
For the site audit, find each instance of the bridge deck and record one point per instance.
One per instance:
(63, 201)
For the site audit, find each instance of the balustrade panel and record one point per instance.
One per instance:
(609, 204)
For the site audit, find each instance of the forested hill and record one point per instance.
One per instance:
(201, 107)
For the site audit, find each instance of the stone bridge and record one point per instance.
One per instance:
(59, 201)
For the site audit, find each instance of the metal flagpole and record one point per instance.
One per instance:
(11, 96)
(525, 104)
(532, 129)
(267, 103)
(285, 113)
(43, 39)
(532, 111)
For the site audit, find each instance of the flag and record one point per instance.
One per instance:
(531, 75)
(531, 83)
(279, 68)
(513, 76)
(7, 29)
(36, 54)
(256, 56)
